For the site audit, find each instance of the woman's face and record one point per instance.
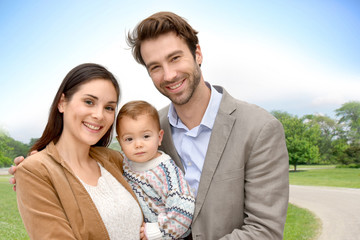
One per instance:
(89, 113)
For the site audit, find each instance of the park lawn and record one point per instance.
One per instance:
(335, 177)
(301, 224)
(11, 226)
(291, 167)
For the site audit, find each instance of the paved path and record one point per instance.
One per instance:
(338, 209)
(4, 171)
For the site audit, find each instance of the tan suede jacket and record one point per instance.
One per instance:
(52, 201)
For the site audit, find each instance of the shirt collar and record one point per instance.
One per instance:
(208, 119)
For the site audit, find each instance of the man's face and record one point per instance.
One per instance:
(172, 67)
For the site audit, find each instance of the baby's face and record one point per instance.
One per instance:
(139, 138)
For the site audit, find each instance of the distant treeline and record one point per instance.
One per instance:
(10, 148)
(318, 139)
(311, 139)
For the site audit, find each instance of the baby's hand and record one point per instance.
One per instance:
(142, 232)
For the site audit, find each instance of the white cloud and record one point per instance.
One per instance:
(253, 68)
(258, 70)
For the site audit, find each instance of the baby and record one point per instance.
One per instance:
(160, 186)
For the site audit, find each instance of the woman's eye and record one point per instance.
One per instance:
(89, 102)
(110, 108)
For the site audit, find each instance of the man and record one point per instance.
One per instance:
(233, 153)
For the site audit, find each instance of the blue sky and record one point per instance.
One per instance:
(302, 57)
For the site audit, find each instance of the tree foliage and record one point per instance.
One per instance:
(4, 160)
(329, 129)
(301, 139)
(349, 114)
(311, 139)
(9, 149)
(318, 139)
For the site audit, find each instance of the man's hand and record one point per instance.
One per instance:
(12, 169)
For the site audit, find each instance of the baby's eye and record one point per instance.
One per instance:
(147, 136)
(129, 139)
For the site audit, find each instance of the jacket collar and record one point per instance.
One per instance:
(221, 131)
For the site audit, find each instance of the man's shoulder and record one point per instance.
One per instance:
(164, 111)
(243, 109)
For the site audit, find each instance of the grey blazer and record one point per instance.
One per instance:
(244, 185)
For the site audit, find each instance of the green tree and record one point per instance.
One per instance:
(339, 147)
(329, 129)
(32, 142)
(18, 148)
(301, 139)
(9, 149)
(349, 114)
(353, 153)
(4, 150)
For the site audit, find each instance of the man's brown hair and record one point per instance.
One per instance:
(158, 24)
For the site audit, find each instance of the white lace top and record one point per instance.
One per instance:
(118, 209)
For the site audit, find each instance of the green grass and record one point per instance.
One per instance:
(11, 226)
(301, 224)
(291, 167)
(336, 177)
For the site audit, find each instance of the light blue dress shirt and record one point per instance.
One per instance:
(191, 145)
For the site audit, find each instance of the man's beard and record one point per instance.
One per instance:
(193, 81)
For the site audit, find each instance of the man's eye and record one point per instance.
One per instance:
(154, 68)
(175, 58)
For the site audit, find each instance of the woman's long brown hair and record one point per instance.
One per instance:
(69, 86)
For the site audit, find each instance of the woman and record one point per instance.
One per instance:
(74, 188)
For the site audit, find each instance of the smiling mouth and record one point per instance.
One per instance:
(176, 86)
(92, 127)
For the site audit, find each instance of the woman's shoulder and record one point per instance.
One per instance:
(105, 151)
(104, 154)
(38, 163)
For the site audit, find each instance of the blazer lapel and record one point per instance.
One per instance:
(219, 137)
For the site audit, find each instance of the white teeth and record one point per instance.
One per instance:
(91, 126)
(176, 86)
